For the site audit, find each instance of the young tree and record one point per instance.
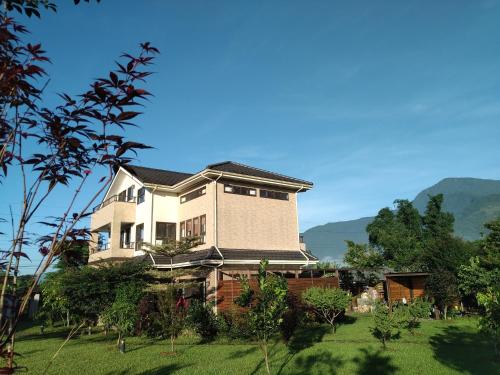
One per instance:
(443, 288)
(167, 298)
(171, 315)
(61, 147)
(266, 305)
(123, 313)
(387, 323)
(328, 303)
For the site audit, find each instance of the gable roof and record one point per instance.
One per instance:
(232, 167)
(156, 176)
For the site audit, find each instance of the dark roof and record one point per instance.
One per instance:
(170, 178)
(156, 176)
(242, 254)
(234, 254)
(193, 256)
(232, 167)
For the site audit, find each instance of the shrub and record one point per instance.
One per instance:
(328, 303)
(203, 320)
(234, 325)
(415, 311)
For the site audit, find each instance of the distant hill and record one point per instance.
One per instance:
(472, 201)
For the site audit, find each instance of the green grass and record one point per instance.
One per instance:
(439, 347)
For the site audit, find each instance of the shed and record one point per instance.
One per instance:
(408, 285)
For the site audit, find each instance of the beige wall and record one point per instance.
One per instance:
(203, 205)
(252, 222)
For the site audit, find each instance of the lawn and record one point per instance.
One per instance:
(439, 347)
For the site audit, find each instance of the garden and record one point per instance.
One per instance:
(440, 347)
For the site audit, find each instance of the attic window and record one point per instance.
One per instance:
(240, 190)
(273, 194)
(194, 194)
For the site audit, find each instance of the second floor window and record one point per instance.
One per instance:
(273, 194)
(141, 195)
(195, 227)
(193, 195)
(241, 190)
(165, 232)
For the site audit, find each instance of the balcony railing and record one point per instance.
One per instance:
(103, 246)
(114, 198)
(127, 245)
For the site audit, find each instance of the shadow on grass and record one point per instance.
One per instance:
(163, 370)
(374, 362)
(303, 338)
(306, 337)
(319, 363)
(347, 319)
(464, 351)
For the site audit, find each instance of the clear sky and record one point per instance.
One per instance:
(370, 100)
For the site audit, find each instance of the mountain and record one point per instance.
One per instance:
(472, 201)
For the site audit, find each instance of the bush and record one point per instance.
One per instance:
(203, 320)
(234, 325)
(328, 303)
(413, 312)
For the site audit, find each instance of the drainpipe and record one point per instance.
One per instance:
(216, 239)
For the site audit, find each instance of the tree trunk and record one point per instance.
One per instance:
(172, 343)
(445, 311)
(266, 357)
(67, 318)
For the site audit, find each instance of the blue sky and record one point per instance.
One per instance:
(372, 101)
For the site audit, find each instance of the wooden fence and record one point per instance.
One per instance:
(229, 290)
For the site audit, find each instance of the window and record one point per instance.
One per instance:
(130, 193)
(141, 195)
(273, 194)
(203, 228)
(195, 227)
(183, 230)
(122, 197)
(165, 232)
(241, 190)
(194, 194)
(139, 236)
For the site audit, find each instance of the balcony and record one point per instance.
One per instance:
(116, 209)
(114, 198)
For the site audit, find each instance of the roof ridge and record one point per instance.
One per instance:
(257, 169)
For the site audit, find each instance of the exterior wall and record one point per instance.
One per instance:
(203, 205)
(408, 287)
(252, 222)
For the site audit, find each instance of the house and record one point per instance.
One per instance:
(241, 214)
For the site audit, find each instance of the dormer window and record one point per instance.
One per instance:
(194, 194)
(240, 190)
